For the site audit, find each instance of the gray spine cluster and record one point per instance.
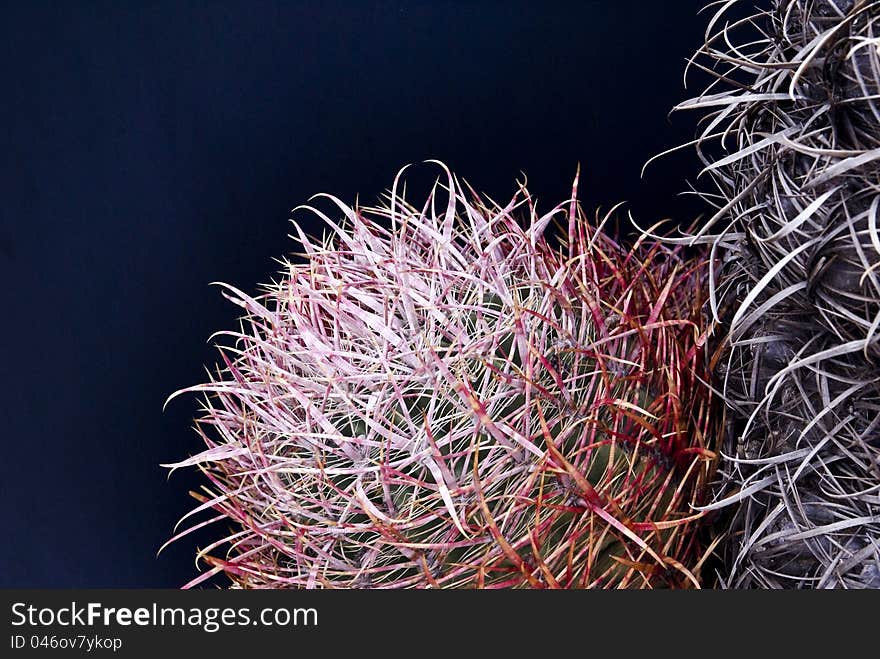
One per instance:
(790, 139)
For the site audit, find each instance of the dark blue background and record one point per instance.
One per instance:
(149, 148)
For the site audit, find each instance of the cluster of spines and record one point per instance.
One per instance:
(434, 397)
(790, 140)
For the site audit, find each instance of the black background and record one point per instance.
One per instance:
(149, 148)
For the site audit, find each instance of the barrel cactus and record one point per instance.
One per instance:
(439, 396)
(791, 143)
